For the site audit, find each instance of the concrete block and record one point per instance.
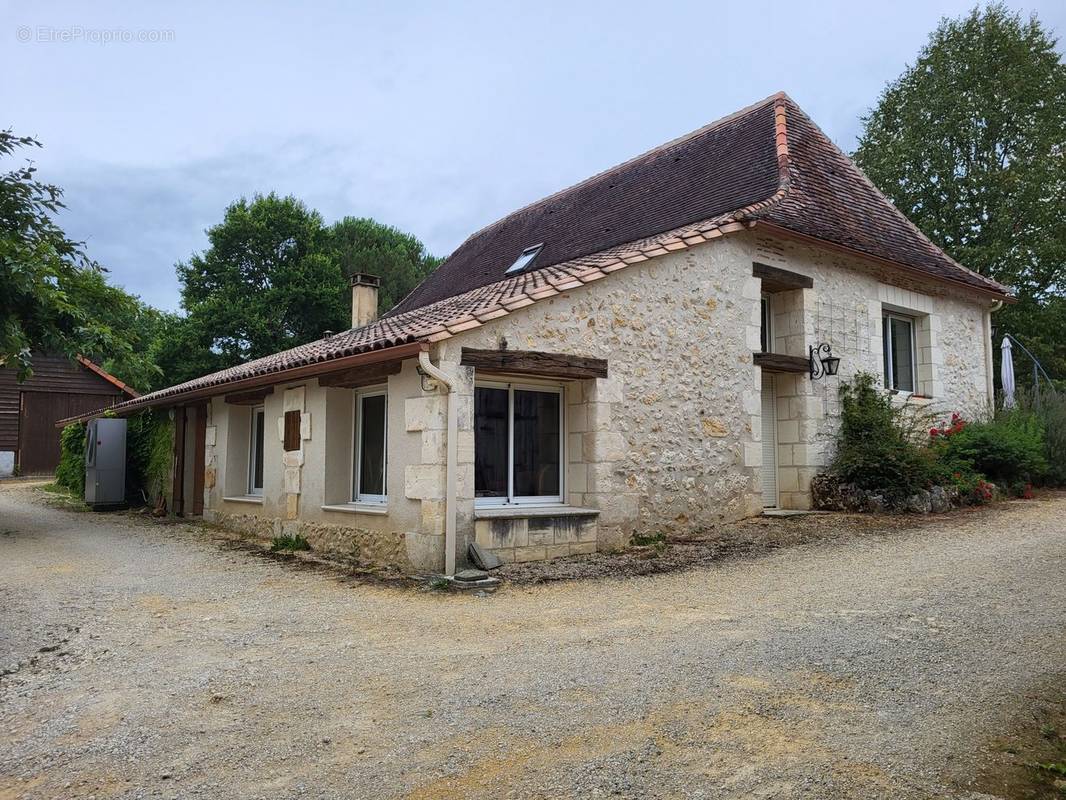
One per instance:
(787, 479)
(292, 480)
(433, 447)
(577, 418)
(582, 548)
(425, 552)
(501, 533)
(424, 481)
(753, 455)
(578, 477)
(433, 514)
(530, 553)
(616, 509)
(557, 551)
(599, 416)
(607, 390)
(465, 453)
(506, 555)
(601, 446)
(788, 431)
(575, 447)
(539, 532)
(424, 413)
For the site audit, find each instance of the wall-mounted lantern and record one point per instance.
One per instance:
(821, 365)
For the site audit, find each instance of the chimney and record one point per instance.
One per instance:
(364, 299)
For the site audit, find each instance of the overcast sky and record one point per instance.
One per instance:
(436, 118)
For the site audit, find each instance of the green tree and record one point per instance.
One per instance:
(399, 259)
(128, 331)
(267, 282)
(970, 143)
(53, 297)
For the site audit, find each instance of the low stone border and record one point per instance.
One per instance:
(829, 494)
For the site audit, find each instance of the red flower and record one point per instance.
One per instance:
(934, 431)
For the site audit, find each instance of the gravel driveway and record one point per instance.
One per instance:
(149, 660)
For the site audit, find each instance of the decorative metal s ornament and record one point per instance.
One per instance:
(822, 365)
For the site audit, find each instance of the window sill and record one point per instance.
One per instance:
(359, 508)
(905, 397)
(519, 511)
(244, 498)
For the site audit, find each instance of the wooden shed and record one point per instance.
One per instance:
(59, 388)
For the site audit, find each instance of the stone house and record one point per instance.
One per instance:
(631, 355)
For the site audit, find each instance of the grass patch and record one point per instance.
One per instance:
(656, 542)
(1033, 761)
(289, 543)
(61, 497)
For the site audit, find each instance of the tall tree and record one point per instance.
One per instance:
(53, 297)
(265, 283)
(970, 143)
(399, 259)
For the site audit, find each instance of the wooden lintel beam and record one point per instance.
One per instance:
(775, 279)
(361, 376)
(252, 398)
(777, 362)
(528, 362)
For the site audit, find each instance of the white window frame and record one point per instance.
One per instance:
(256, 491)
(536, 500)
(766, 321)
(357, 449)
(886, 333)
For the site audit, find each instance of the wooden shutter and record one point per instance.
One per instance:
(292, 430)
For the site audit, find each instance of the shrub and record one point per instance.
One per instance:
(1008, 451)
(1050, 409)
(70, 473)
(876, 449)
(149, 441)
(289, 543)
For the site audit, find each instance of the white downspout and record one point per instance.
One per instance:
(453, 450)
(989, 344)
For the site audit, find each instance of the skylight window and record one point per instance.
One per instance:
(525, 259)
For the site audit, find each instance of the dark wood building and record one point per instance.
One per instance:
(59, 388)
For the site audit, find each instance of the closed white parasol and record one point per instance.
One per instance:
(1006, 373)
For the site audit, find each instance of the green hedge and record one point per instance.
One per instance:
(71, 470)
(1009, 450)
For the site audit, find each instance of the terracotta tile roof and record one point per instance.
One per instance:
(829, 198)
(769, 156)
(765, 165)
(92, 366)
(720, 168)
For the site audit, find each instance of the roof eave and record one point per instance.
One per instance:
(395, 353)
(780, 230)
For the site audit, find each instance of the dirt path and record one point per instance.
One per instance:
(148, 661)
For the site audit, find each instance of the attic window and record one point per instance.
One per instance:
(525, 259)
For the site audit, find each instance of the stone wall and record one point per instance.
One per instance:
(535, 538)
(669, 442)
(663, 443)
(845, 309)
(367, 548)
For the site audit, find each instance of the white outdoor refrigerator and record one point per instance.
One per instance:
(105, 464)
